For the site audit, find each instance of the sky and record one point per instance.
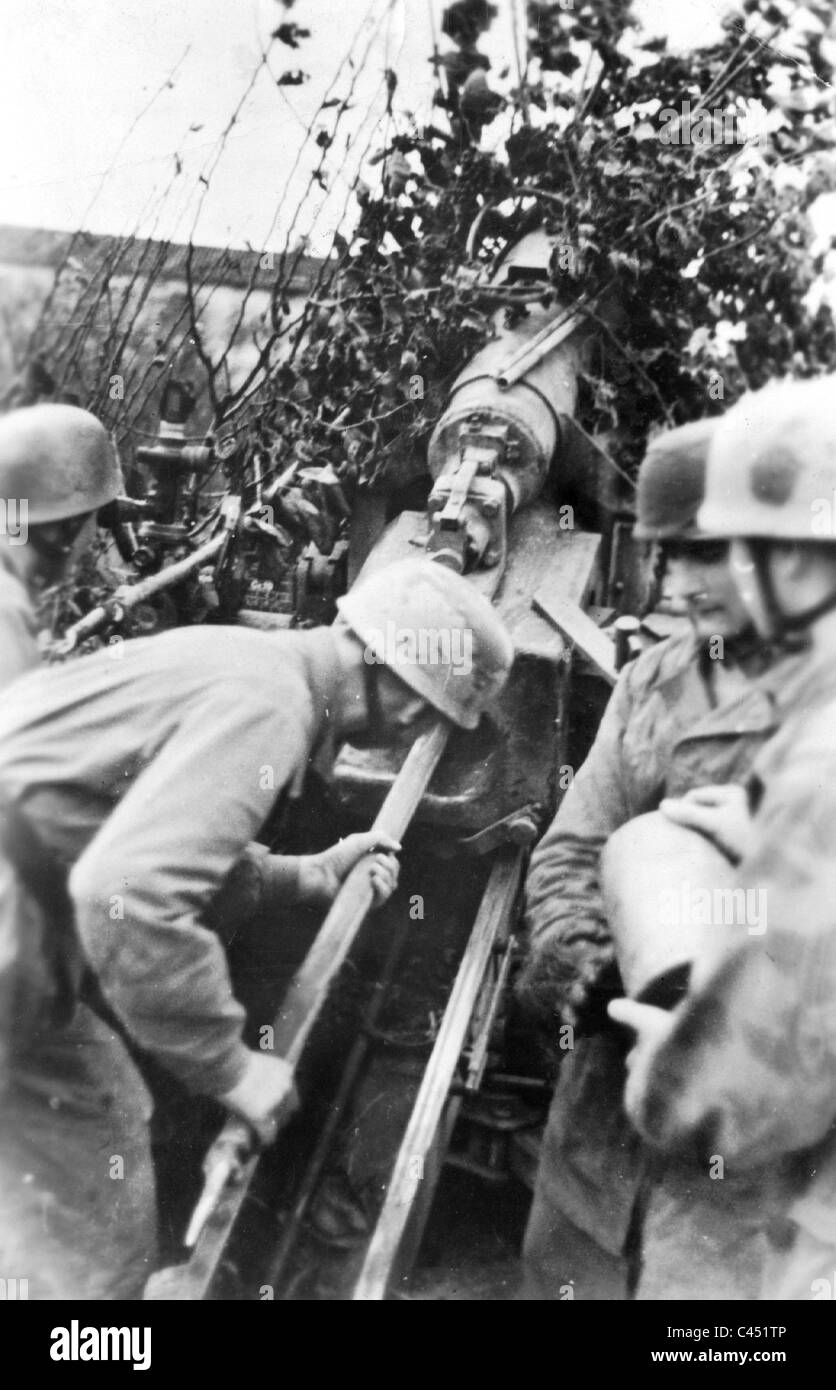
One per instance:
(96, 137)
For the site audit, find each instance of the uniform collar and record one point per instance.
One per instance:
(812, 680)
(761, 703)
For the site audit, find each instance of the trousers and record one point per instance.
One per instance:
(77, 1206)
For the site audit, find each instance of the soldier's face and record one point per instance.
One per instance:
(58, 546)
(782, 581)
(395, 713)
(698, 581)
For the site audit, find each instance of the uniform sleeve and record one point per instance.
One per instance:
(258, 882)
(749, 1071)
(241, 895)
(569, 942)
(143, 887)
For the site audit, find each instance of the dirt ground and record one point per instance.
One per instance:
(470, 1251)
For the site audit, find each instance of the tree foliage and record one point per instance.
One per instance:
(676, 187)
(687, 240)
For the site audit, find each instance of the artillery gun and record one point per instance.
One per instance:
(404, 1061)
(513, 472)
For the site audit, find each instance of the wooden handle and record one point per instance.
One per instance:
(307, 993)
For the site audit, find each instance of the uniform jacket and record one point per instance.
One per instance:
(18, 654)
(149, 768)
(748, 1071)
(18, 643)
(676, 720)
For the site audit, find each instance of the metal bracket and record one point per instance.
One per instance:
(520, 827)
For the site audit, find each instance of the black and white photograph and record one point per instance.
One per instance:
(418, 662)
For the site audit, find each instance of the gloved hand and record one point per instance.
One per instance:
(264, 1095)
(322, 874)
(568, 982)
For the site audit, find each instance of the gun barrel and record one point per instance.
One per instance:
(127, 596)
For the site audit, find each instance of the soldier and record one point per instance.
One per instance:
(693, 709)
(57, 469)
(742, 1071)
(147, 776)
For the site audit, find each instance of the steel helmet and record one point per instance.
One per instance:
(671, 483)
(435, 631)
(772, 465)
(58, 458)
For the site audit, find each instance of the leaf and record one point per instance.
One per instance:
(290, 34)
(622, 260)
(567, 63)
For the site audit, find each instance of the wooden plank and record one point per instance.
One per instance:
(428, 1112)
(476, 1056)
(579, 629)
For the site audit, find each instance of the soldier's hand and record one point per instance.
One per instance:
(264, 1095)
(721, 814)
(568, 982)
(328, 869)
(652, 1026)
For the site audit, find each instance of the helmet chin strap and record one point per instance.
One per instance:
(788, 630)
(369, 734)
(371, 689)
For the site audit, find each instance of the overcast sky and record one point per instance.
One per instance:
(76, 75)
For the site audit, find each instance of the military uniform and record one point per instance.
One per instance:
(147, 774)
(676, 720)
(18, 654)
(747, 1073)
(18, 641)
